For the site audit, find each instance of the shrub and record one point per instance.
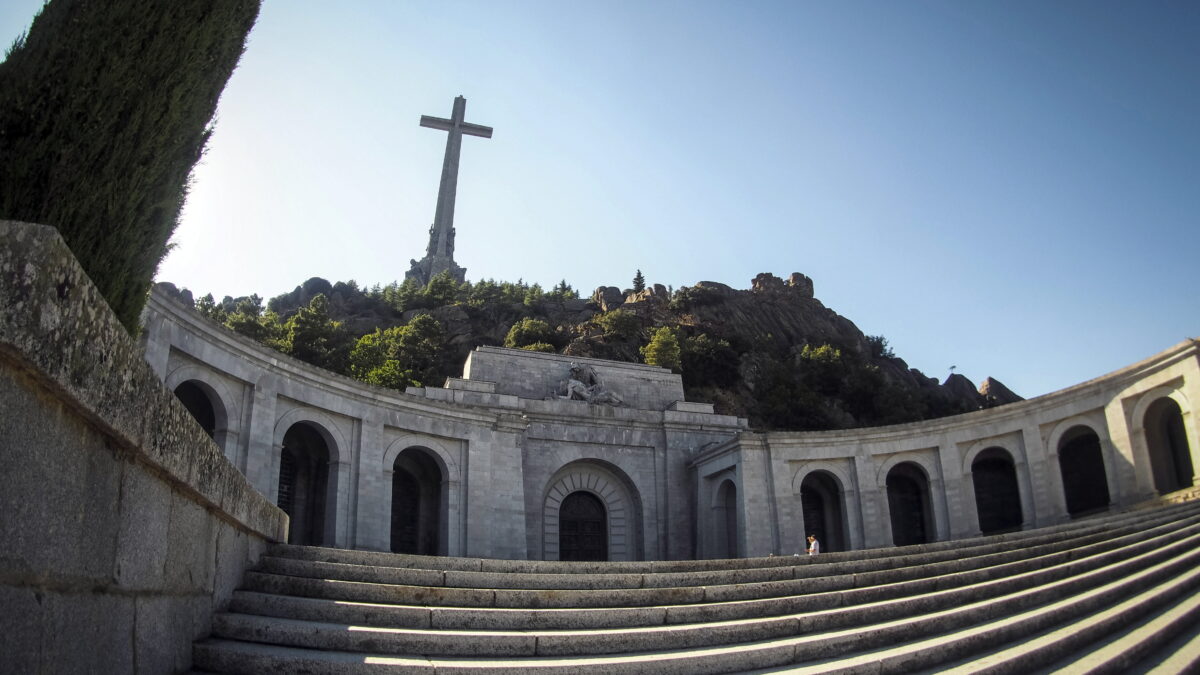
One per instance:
(620, 325)
(527, 332)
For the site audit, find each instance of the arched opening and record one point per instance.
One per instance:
(997, 497)
(1081, 463)
(1170, 454)
(821, 501)
(582, 528)
(725, 518)
(419, 504)
(908, 503)
(304, 485)
(619, 497)
(199, 404)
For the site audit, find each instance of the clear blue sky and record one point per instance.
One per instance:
(1009, 187)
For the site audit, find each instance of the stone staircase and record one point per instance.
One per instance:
(1108, 594)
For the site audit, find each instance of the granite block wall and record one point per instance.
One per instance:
(122, 525)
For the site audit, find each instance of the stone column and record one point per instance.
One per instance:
(374, 490)
(1129, 444)
(959, 493)
(876, 529)
(345, 491)
(156, 342)
(788, 514)
(261, 451)
(496, 492)
(1042, 479)
(757, 517)
(941, 515)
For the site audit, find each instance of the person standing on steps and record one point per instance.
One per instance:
(814, 546)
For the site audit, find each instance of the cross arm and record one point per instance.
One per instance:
(476, 130)
(436, 123)
(443, 124)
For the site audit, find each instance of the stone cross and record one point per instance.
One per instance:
(441, 242)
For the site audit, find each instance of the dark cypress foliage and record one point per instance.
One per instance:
(104, 109)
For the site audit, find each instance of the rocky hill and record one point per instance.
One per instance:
(773, 353)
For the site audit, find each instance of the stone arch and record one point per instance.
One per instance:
(303, 485)
(725, 536)
(910, 504)
(823, 507)
(1170, 455)
(997, 491)
(420, 501)
(225, 408)
(616, 493)
(438, 449)
(450, 528)
(333, 480)
(1081, 465)
(852, 533)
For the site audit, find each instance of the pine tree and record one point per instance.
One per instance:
(311, 336)
(104, 109)
(663, 349)
(639, 282)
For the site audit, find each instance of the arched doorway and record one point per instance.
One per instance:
(908, 503)
(199, 403)
(582, 528)
(418, 504)
(304, 485)
(620, 500)
(1081, 463)
(725, 521)
(1166, 439)
(821, 502)
(997, 497)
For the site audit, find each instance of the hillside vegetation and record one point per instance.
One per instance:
(773, 353)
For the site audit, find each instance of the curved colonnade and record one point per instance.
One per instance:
(467, 471)
(1108, 443)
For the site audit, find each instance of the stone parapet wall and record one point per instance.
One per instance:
(122, 525)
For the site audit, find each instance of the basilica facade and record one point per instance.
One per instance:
(549, 457)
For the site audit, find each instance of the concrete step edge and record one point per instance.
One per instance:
(381, 614)
(523, 581)
(531, 643)
(408, 561)
(533, 599)
(1126, 648)
(762, 654)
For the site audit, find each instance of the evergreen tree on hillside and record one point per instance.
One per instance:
(529, 332)
(311, 336)
(400, 356)
(663, 349)
(104, 108)
(639, 282)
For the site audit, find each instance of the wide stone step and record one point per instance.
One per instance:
(949, 634)
(971, 604)
(920, 577)
(1087, 613)
(1163, 637)
(405, 561)
(452, 578)
(849, 590)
